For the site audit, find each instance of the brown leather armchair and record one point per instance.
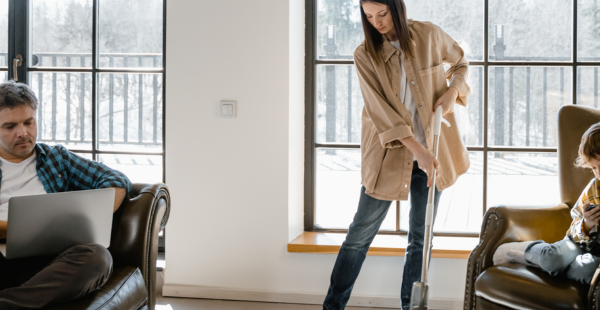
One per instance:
(134, 248)
(515, 286)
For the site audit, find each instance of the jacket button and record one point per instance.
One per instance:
(60, 176)
(428, 128)
(412, 83)
(420, 106)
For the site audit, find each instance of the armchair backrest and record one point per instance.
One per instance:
(573, 121)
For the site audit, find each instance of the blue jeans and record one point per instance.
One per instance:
(563, 257)
(367, 220)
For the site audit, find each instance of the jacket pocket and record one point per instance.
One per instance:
(432, 70)
(434, 82)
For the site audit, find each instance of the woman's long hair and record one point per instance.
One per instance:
(374, 39)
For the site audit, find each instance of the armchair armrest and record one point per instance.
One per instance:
(136, 224)
(509, 224)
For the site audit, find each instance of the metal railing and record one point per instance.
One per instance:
(72, 88)
(504, 101)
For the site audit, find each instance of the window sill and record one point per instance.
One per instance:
(383, 245)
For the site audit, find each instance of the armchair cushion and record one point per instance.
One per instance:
(518, 286)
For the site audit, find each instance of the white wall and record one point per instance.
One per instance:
(236, 184)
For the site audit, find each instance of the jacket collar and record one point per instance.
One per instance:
(40, 153)
(387, 49)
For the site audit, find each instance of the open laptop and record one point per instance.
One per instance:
(51, 223)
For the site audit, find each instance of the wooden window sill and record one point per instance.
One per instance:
(383, 245)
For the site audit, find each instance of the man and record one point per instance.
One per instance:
(30, 168)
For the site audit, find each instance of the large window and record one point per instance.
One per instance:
(528, 58)
(97, 68)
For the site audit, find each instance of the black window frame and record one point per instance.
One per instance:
(20, 43)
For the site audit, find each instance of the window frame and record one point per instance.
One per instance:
(20, 43)
(311, 146)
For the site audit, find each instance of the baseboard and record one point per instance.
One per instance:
(296, 298)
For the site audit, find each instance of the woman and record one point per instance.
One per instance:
(402, 79)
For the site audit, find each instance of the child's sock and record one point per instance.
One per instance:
(512, 252)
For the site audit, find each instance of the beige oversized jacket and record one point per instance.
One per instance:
(386, 162)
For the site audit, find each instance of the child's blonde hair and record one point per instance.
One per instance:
(590, 146)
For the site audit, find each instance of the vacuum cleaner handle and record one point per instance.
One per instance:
(419, 299)
(437, 123)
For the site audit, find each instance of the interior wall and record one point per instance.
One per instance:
(236, 183)
(296, 118)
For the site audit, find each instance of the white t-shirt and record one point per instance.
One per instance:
(409, 102)
(18, 179)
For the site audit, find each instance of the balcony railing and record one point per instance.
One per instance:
(511, 119)
(136, 92)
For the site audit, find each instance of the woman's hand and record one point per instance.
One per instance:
(590, 218)
(447, 101)
(427, 163)
(425, 158)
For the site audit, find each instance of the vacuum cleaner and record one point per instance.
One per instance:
(419, 299)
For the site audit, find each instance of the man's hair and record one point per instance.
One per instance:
(590, 145)
(13, 94)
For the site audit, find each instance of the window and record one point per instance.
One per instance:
(528, 58)
(97, 69)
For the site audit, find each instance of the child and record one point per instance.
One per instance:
(578, 255)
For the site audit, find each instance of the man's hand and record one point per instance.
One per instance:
(119, 196)
(447, 101)
(3, 229)
(590, 218)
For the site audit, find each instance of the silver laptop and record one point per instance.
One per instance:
(51, 223)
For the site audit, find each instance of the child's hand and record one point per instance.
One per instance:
(590, 218)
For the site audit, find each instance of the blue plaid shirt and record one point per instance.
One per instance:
(60, 170)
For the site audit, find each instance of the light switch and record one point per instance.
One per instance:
(227, 108)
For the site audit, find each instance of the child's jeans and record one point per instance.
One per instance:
(563, 257)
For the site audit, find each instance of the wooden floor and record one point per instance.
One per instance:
(168, 303)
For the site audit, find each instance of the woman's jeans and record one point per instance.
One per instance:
(367, 220)
(563, 257)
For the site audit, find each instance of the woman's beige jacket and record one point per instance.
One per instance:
(386, 162)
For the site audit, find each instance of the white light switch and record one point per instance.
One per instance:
(228, 108)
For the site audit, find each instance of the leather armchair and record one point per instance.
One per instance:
(134, 248)
(515, 286)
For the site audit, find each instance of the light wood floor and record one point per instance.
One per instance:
(168, 303)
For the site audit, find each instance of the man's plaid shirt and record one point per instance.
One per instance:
(590, 194)
(60, 170)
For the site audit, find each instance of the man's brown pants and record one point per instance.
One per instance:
(33, 283)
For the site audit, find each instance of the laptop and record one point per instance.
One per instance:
(49, 224)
